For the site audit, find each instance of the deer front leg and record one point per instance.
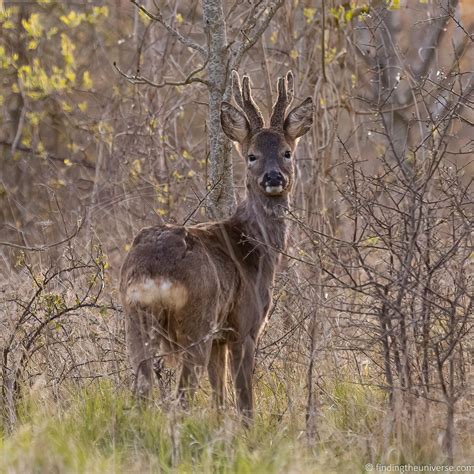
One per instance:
(217, 370)
(242, 363)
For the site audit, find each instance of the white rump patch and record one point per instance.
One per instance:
(157, 291)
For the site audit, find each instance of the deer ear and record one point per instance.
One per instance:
(234, 123)
(299, 120)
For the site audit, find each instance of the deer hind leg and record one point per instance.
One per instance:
(242, 364)
(217, 371)
(141, 346)
(194, 362)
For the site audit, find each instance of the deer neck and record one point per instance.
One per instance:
(262, 221)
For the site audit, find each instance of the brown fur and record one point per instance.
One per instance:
(203, 292)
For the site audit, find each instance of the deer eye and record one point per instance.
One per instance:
(288, 154)
(252, 158)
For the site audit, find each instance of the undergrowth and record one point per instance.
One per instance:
(101, 429)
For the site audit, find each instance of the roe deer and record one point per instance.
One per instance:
(203, 291)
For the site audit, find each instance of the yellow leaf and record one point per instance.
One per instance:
(161, 199)
(394, 4)
(67, 49)
(161, 212)
(371, 241)
(86, 80)
(68, 162)
(57, 183)
(70, 75)
(33, 26)
(35, 95)
(65, 106)
(104, 11)
(51, 32)
(309, 14)
(65, 19)
(176, 174)
(153, 123)
(179, 18)
(6, 13)
(136, 168)
(73, 19)
(294, 54)
(26, 141)
(82, 106)
(33, 118)
(41, 150)
(24, 70)
(274, 37)
(58, 82)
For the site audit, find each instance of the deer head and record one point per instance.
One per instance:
(268, 150)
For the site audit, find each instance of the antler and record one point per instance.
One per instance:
(243, 97)
(285, 97)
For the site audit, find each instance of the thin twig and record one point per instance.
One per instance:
(174, 33)
(323, 40)
(199, 204)
(44, 247)
(257, 33)
(138, 79)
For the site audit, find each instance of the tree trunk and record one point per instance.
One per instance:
(221, 201)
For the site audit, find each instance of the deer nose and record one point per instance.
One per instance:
(273, 178)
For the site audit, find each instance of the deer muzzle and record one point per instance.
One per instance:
(273, 182)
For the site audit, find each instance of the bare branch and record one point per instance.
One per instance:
(174, 33)
(42, 248)
(138, 79)
(258, 31)
(47, 155)
(433, 37)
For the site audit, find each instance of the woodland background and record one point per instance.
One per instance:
(109, 121)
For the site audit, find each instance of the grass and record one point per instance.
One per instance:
(101, 430)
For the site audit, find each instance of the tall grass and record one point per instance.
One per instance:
(100, 429)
